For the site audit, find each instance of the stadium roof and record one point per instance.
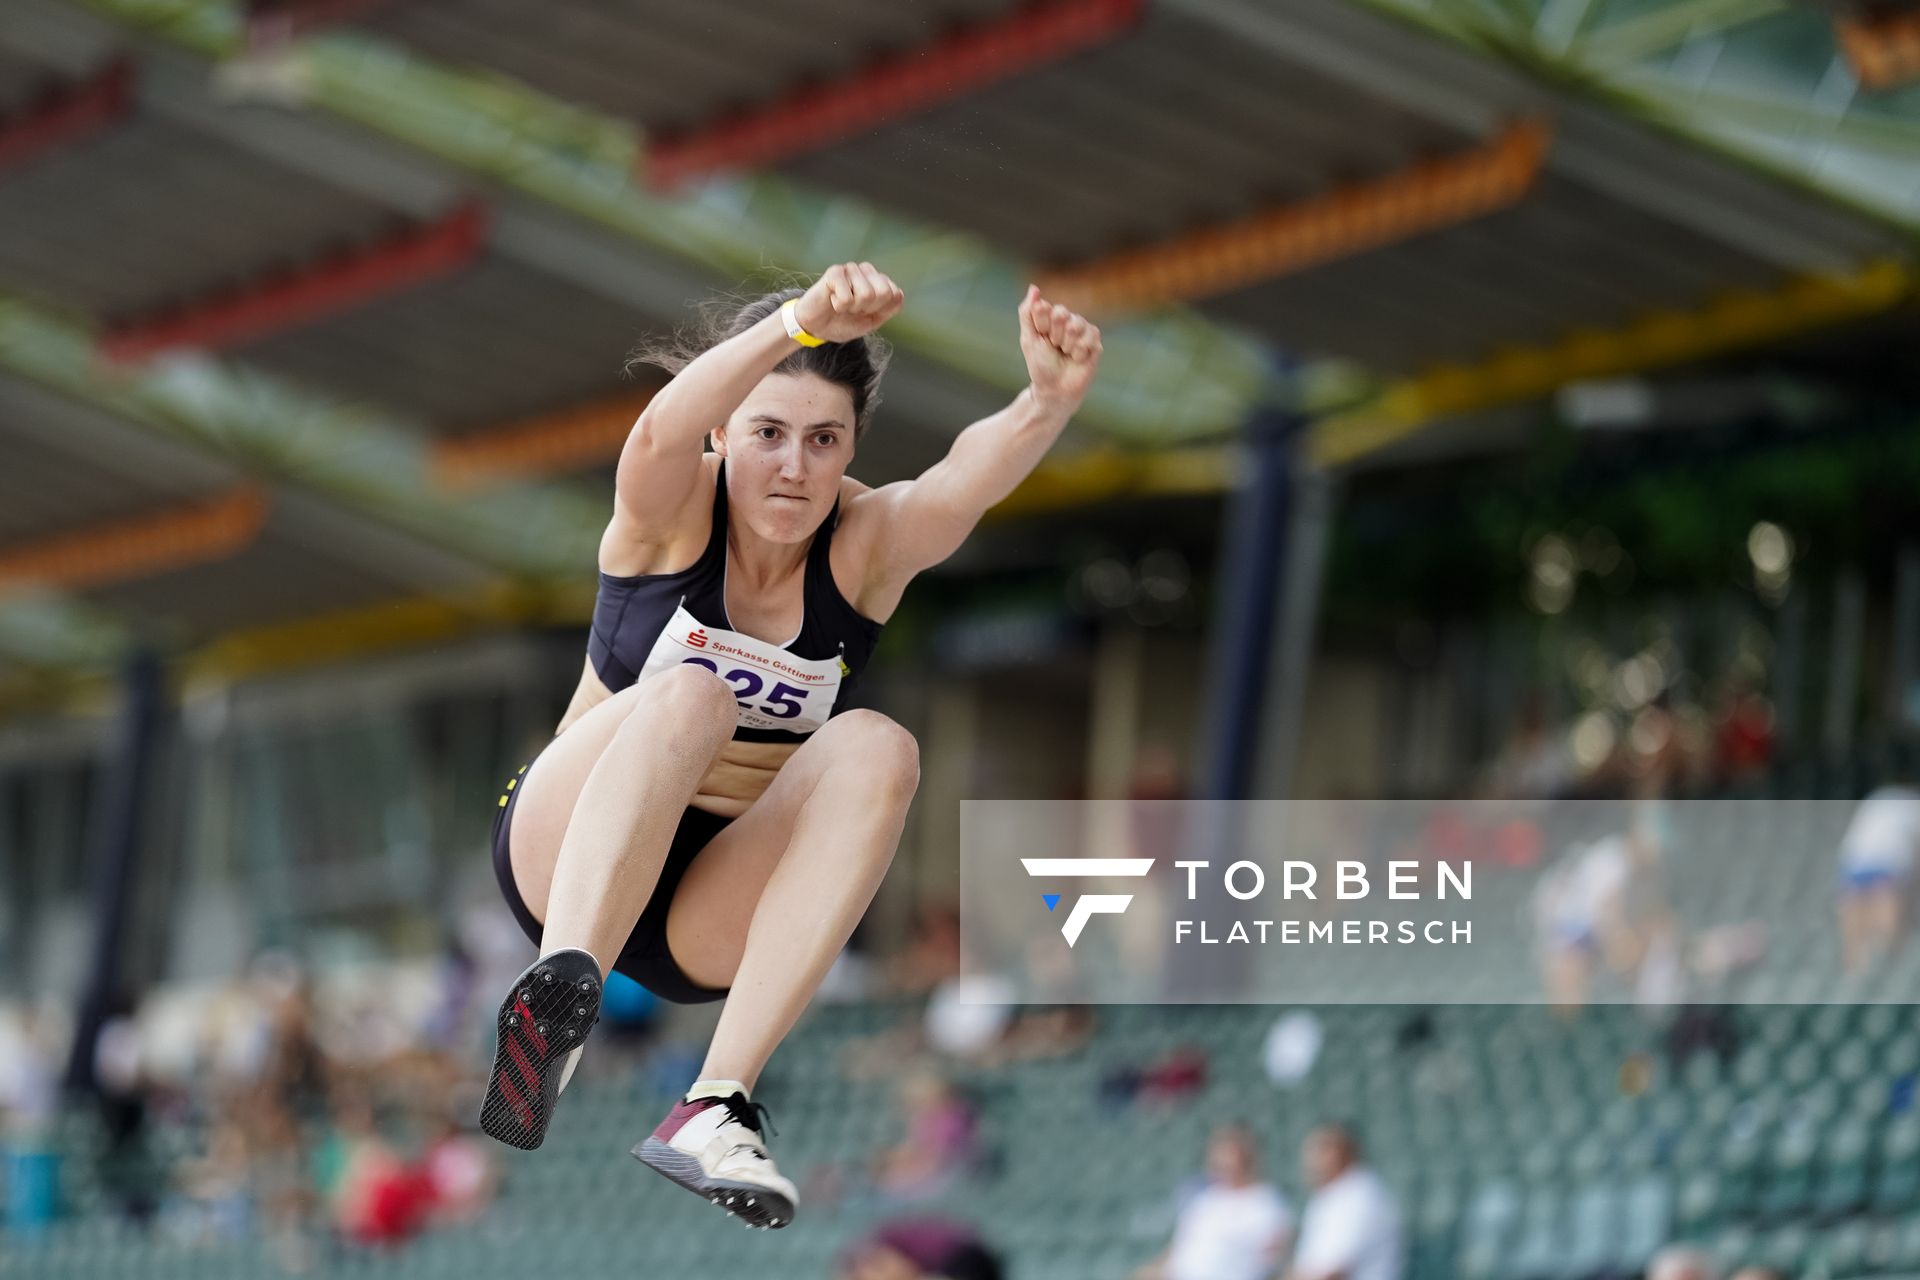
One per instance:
(313, 308)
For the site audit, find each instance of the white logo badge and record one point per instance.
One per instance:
(1092, 904)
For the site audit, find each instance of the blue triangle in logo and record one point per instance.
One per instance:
(1051, 899)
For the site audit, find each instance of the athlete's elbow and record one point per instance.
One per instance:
(646, 436)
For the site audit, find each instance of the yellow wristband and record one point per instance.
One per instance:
(792, 322)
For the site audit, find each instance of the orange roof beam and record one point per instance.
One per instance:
(551, 443)
(1368, 215)
(137, 547)
(1884, 48)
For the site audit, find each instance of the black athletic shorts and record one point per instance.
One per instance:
(645, 957)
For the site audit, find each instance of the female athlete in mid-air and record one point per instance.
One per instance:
(707, 819)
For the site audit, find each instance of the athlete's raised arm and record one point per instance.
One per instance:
(653, 484)
(923, 521)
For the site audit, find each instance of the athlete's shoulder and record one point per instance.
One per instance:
(856, 505)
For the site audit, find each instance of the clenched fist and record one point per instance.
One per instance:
(850, 300)
(1062, 349)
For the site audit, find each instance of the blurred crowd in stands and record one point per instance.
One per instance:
(331, 1117)
(246, 1113)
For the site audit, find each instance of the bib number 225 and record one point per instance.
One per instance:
(783, 700)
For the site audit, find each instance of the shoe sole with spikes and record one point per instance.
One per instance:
(752, 1204)
(542, 1023)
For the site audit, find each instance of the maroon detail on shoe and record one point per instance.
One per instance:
(519, 1057)
(519, 1104)
(682, 1112)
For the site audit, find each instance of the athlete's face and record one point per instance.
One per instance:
(786, 448)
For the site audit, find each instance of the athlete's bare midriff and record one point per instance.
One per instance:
(740, 773)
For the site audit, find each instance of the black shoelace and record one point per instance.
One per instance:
(751, 1114)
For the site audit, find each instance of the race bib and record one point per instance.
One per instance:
(772, 688)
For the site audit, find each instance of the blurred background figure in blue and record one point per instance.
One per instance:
(1876, 875)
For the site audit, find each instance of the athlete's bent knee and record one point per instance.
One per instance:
(688, 694)
(887, 755)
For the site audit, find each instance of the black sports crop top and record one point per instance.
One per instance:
(650, 622)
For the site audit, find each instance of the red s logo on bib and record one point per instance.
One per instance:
(696, 639)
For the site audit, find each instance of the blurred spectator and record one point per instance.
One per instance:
(976, 1018)
(447, 1020)
(236, 1037)
(126, 1167)
(1536, 762)
(216, 1186)
(1702, 1028)
(279, 1181)
(1048, 1031)
(377, 1197)
(1743, 740)
(29, 1098)
(856, 973)
(965, 1020)
(941, 1143)
(29, 1085)
(1683, 1262)
(294, 1062)
(1292, 1047)
(921, 1249)
(1657, 752)
(968, 1016)
(1152, 822)
(932, 953)
(1235, 1227)
(973, 1019)
(1602, 901)
(1176, 1077)
(1876, 873)
(461, 1173)
(488, 936)
(1351, 1227)
(1157, 775)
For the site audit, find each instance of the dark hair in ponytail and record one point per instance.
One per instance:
(855, 365)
